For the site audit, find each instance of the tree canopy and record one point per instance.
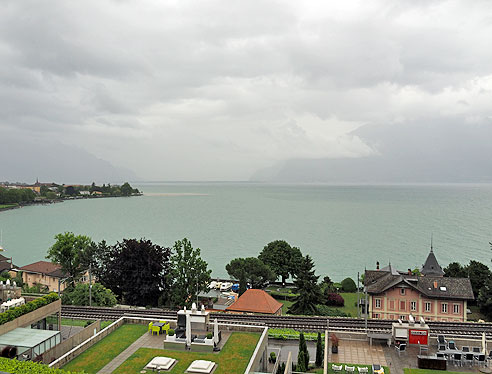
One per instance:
(283, 259)
(306, 283)
(252, 270)
(189, 273)
(101, 296)
(68, 251)
(135, 270)
(478, 273)
(16, 195)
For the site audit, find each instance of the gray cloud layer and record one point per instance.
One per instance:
(217, 89)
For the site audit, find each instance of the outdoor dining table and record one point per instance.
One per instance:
(160, 325)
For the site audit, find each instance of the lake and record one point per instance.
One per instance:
(344, 228)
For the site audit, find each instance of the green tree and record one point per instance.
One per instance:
(135, 270)
(484, 299)
(68, 251)
(189, 273)
(250, 269)
(479, 274)
(303, 355)
(126, 189)
(455, 270)
(348, 285)
(308, 290)
(319, 351)
(101, 296)
(283, 259)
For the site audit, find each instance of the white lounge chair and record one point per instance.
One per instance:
(337, 368)
(363, 370)
(349, 369)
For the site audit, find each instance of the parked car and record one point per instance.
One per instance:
(225, 286)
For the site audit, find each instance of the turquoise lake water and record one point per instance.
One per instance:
(344, 228)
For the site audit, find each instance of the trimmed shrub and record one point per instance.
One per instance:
(334, 299)
(16, 312)
(273, 357)
(209, 335)
(29, 367)
(170, 332)
(348, 285)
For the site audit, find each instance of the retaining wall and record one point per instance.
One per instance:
(71, 342)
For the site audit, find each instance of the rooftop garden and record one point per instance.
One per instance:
(232, 359)
(104, 351)
(386, 369)
(16, 312)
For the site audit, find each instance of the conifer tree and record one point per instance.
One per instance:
(319, 351)
(309, 293)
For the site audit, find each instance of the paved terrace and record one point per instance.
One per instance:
(148, 341)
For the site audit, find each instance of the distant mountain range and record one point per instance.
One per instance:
(412, 153)
(23, 161)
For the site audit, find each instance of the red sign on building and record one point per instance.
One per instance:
(418, 336)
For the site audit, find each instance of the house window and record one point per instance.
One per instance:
(444, 307)
(378, 303)
(402, 318)
(392, 305)
(413, 305)
(376, 315)
(456, 308)
(402, 291)
(428, 306)
(402, 305)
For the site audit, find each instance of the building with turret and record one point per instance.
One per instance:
(394, 294)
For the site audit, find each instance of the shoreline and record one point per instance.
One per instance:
(55, 201)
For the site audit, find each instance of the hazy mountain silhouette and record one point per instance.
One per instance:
(404, 153)
(24, 161)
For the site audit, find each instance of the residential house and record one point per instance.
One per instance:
(395, 295)
(256, 301)
(44, 273)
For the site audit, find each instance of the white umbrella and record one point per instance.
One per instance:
(188, 329)
(216, 331)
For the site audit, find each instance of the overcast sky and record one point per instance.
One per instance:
(214, 90)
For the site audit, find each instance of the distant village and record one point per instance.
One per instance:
(13, 195)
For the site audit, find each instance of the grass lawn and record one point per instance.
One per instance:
(350, 303)
(3, 206)
(286, 305)
(82, 322)
(475, 313)
(426, 371)
(330, 370)
(101, 353)
(233, 358)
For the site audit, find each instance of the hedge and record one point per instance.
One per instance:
(29, 367)
(291, 334)
(283, 296)
(11, 314)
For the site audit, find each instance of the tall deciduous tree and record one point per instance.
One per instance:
(135, 270)
(308, 290)
(281, 258)
(189, 273)
(68, 251)
(101, 296)
(250, 269)
(455, 270)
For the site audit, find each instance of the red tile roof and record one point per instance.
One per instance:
(43, 267)
(255, 301)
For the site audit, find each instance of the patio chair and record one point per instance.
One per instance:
(441, 347)
(468, 359)
(156, 329)
(363, 369)
(402, 348)
(150, 326)
(457, 359)
(480, 359)
(349, 369)
(377, 369)
(440, 355)
(465, 349)
(166, 327)
(476, 349)
(162, 321)
(452, 345)
(441, 340)
(337, 368)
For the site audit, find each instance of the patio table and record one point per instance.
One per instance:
(159, 324)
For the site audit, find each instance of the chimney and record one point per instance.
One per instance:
(435, 284)
(377, 265)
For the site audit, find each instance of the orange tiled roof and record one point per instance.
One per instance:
(43, 267)
(255, 301)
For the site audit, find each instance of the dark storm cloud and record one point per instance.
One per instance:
(223, 88)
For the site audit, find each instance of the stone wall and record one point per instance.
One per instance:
(70, 343)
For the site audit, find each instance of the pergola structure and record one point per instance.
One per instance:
(30, 343)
